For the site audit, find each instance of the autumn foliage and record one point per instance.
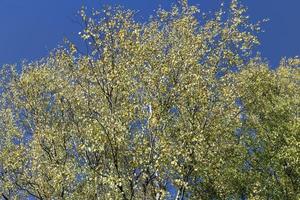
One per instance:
(178, 107)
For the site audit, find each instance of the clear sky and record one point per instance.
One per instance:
(31, 28)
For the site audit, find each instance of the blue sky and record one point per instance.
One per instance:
(31, 28)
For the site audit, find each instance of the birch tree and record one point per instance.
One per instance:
(177, 107)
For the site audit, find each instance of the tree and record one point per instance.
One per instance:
(174, 108)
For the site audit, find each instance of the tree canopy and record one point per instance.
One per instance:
(178, 107)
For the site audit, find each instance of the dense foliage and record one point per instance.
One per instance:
(178, 107)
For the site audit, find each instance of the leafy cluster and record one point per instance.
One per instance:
(174, 108)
